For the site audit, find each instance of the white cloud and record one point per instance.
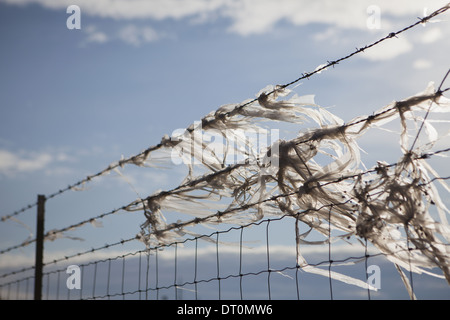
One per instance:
(250, 16)
(95, 36)
(422, 64)
(136, 36)
(12, 163)
(432, 35)
(130, 34)
(329, 34)
(281, 251)
(259, 16)
(133, 9)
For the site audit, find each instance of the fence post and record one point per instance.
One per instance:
(39, 248)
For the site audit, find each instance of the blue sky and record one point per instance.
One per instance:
(73, 101)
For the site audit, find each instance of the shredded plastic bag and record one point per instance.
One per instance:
(241, 181)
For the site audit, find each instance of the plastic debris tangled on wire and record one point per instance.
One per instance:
(388, 205)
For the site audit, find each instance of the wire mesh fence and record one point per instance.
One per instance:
(244, 262)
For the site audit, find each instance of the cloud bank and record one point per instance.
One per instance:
(249, 17)
(11, 163)
(256, 17)
(154, 277)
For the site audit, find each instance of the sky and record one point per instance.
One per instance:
(72, 101)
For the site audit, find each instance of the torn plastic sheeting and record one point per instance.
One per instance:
(375, 205)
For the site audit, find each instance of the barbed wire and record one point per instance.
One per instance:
(221, 214)
(121, 242)
(75, 255)
(217, 174)
(139, 158)
(15, 213)
(55, 233)
(218, 214)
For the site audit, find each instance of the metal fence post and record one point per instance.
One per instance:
(39, 248)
